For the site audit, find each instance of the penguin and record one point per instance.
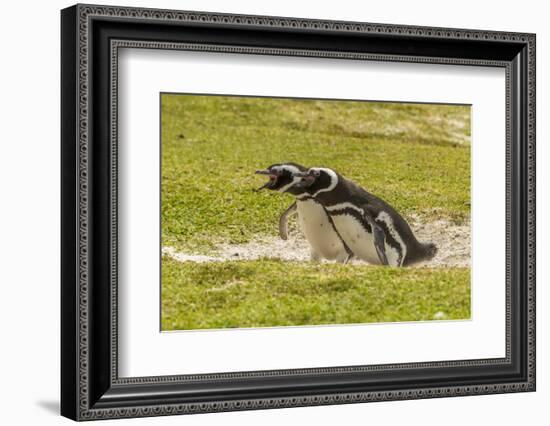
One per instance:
(369, 226)
(315, 223)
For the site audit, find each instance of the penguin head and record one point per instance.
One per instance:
(282, 177)
(317, 179)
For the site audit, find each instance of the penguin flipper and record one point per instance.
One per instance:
(379, 243)
(283, 221)
(379, 237)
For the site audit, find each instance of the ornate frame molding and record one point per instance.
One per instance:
(83, 15)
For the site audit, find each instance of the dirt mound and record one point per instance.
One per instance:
(453, 243)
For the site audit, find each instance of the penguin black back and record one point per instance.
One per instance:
(340, 195)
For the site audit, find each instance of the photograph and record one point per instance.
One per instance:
(279, 212)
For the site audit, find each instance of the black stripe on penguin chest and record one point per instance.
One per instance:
(390, 240)
(356, 215)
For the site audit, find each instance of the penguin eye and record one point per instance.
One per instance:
(316, 173)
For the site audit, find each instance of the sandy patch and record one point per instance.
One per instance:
(187, 257)
(453, 242)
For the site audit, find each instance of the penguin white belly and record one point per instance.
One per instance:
(318, 230)
(356, 237)
(361, 242)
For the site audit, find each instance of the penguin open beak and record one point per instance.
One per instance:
(272, 178)
(262, 172)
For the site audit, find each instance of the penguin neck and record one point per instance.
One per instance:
(304, 196)
(333, 194)
(324, 197)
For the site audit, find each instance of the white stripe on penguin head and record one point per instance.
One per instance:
(333, 180)
(292, 170)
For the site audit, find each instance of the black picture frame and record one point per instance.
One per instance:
(90, 386)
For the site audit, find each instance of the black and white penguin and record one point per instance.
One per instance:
(369, 226)
(315, 223)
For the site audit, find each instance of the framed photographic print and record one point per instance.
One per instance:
(263, 212)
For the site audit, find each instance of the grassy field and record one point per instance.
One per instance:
(274, 293)
(416, 157)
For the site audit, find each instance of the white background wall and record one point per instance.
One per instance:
(29, 211)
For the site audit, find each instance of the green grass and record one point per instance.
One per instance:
(416, 157)
(273, 293)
